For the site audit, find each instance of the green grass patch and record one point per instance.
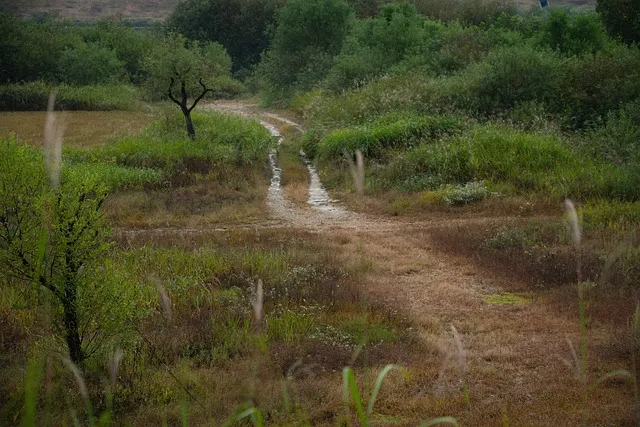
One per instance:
(506, 299)
(163, 154)
(530, 162)
(602, 212)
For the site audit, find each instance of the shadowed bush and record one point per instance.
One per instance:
(34, 96)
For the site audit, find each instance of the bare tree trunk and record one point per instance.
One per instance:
(187, 119)
(182, 103)
(71, 324)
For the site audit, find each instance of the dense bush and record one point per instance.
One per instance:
(376, 45)
(29, 51)
(618, 141)
(595, 85)
(387, 133)
(90, 64)
(308, 35)
(61, 52)
(130, 45)
(572, 33)
(34, 96)
(622, 18)
(239, 25)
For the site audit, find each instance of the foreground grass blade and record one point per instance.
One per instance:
(349, 387)
(253, 413)
(440, 420)
(32, 382)
(620, 373)
(376, 388)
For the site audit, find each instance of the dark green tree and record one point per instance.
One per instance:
(621, 18)
(309, 34)
(238, 25)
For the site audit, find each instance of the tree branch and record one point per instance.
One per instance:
(204, 92)
(170, 92)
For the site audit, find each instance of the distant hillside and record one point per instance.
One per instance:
(95, 9)
(153, 9)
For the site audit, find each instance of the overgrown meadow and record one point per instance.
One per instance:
(144, 281)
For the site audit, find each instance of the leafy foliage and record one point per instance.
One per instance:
(50, 241)
(238, 25)
(621, 18)
(88, 64)
(183, 60)
(308, 34)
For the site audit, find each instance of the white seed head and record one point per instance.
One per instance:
(574, 223)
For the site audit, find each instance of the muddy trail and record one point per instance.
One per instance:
(514, 360)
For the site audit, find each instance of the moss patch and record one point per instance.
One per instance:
(505, 299)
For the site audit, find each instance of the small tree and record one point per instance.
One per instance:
(188, 65)
(52, 239)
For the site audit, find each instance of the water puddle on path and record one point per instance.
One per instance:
(318, 196)
(275, 198)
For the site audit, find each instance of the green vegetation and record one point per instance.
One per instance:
(34, 96)
(200, 308)
(163, 156)
(96, 66)
(240, 26)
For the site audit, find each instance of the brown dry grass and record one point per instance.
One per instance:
(515, 352)
(82, 128)
(237, 197)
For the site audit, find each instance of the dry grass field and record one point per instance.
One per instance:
(82, 128)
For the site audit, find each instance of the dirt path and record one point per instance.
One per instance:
(514, 359)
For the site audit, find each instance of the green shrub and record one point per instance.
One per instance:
(128, 41)
(34, 96)
(470, 192)
(54, 244)
(572, 33)
(594, 85)
(510, 76)
(387, 132)
(622, 19)
(90, 64)
(374, 46)
(618, 141)
(307, 36)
